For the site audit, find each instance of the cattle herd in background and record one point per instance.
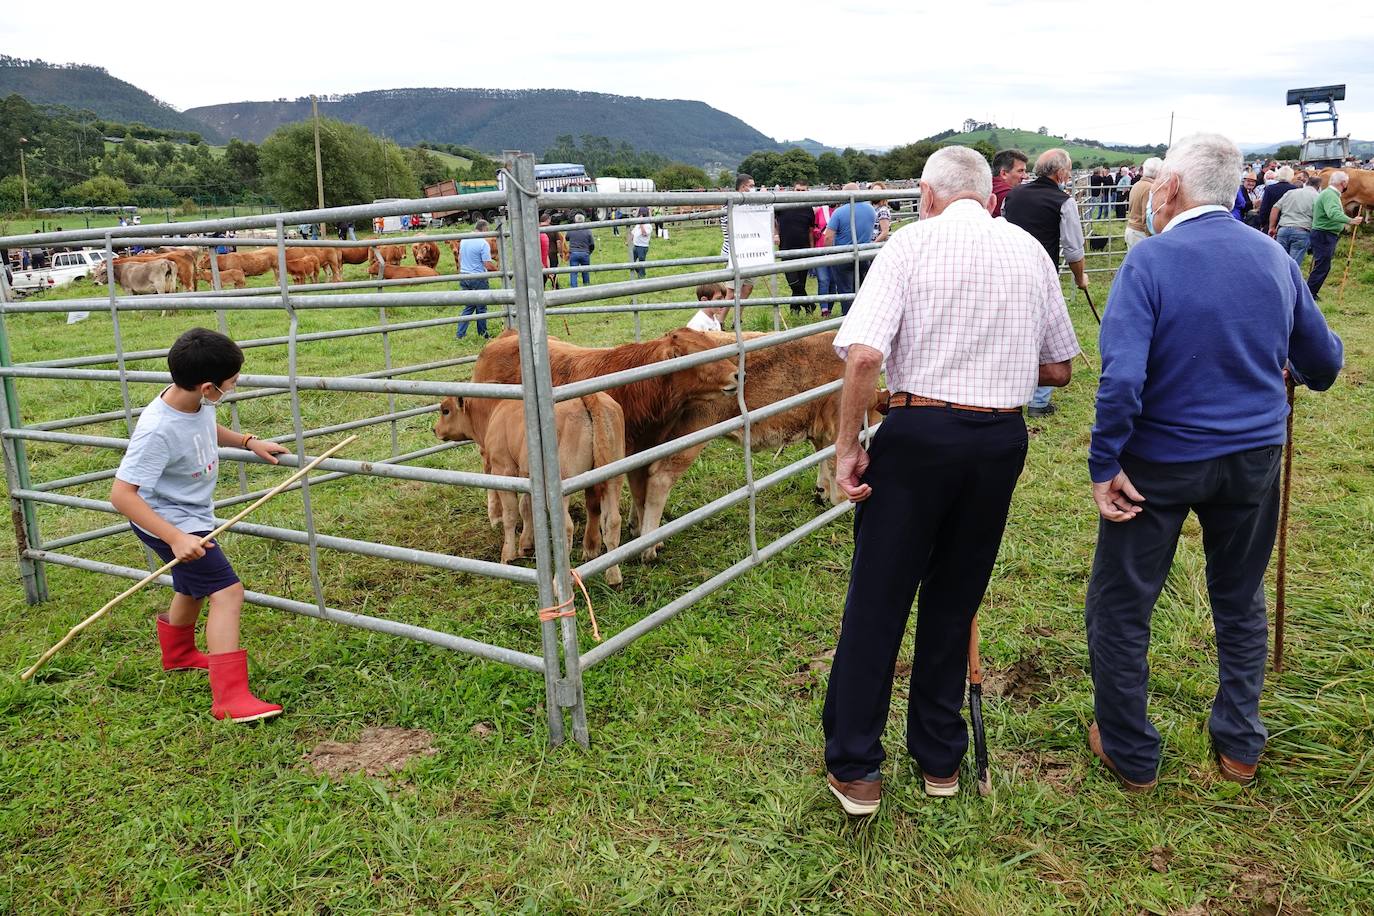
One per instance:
(189, 267)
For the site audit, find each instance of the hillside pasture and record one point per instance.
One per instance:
(703, 790)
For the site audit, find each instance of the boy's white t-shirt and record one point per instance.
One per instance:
(173, 459)
(703, 322)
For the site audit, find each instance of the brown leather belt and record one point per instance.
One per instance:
(906, 399)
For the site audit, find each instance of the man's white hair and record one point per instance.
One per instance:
(1340, 178)
(1151, 167)
(1208, 167)
(1285, 173)
(1051, 162)
(957, 171)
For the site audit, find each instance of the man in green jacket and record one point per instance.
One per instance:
(1328, 221)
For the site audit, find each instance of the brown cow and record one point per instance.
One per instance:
(426, 254)
(330, 258)
(399, 273)
(392, 254)
(455, 244)
(651, 406)
(184, 260)
(591, 434)
(227, 277)
(1358, 193)
(155, 275)
(355, 255)
(250, 263)
(302, 267)
(770, 375)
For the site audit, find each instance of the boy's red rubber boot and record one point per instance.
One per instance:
(229, 689)
(179, 652)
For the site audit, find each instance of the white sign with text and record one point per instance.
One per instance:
(751, 234)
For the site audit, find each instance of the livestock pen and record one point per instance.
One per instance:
(524, 302)
(703, 790)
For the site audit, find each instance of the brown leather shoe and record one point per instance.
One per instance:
(1095, 745)
(858, 797)
(941, 787)
(1234, 770)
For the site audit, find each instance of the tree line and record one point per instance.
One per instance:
(768, 167)
(69, 162)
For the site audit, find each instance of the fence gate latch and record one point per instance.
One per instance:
(565, 693)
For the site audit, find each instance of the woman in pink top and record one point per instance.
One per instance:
(824, 285)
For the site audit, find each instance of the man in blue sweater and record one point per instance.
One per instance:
(1201, 323)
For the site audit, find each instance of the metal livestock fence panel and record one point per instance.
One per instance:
(522, 300)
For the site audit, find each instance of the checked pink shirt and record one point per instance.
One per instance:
(964, 308)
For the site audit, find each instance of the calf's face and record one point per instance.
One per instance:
(720, 377)
(453, 424)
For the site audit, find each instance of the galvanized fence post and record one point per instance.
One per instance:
(23, 514)
(118, 339)
(538, 403)
(298, 426)
(222, 317)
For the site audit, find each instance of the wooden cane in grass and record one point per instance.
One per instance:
(152, 576)
(1281, 577)
(1350, 256)
(975, 712)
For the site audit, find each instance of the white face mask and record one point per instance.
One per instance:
(206, 402)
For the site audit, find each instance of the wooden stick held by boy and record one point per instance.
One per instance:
(165, 487)
(152, 576)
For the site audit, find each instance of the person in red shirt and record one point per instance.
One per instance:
(1008, 171)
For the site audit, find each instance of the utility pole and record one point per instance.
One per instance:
(319, 169)
(1171, 128)
(23, 175)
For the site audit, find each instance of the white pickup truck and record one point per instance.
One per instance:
(65, 267)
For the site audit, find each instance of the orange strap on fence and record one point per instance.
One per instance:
(567, 609)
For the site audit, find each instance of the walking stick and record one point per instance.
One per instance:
(1350, 256)
(1089, 297)
(975, 712)
(43, 659)
(1281, 578)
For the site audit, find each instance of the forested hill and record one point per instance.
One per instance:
(78, 87)
(492, 120)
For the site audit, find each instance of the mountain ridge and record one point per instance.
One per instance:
(84, 86)
(496, 119)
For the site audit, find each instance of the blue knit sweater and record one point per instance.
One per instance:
(1200, 323)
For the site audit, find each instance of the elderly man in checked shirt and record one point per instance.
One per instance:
(968, 314)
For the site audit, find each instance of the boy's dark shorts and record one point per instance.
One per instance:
(198, 578)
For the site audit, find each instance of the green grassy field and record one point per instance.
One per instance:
(703, 790)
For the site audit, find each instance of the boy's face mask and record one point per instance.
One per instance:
(206, 402)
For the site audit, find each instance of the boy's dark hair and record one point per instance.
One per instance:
(709, 291)
(742, 179)
(1006, 160)
(202, 355)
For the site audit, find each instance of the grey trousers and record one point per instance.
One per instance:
(1236, 498)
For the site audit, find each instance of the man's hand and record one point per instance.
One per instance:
(266, 449)
(1117, 498)
(187, 547)
(1081, 282)
(849, 471)
(1357, 220)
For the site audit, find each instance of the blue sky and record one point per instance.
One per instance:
(842, 73)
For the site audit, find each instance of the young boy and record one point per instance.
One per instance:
(165, 486)
(709, 317)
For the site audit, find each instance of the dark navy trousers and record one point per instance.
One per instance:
(1323, 246)
(942, 482)
(1236, 498)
